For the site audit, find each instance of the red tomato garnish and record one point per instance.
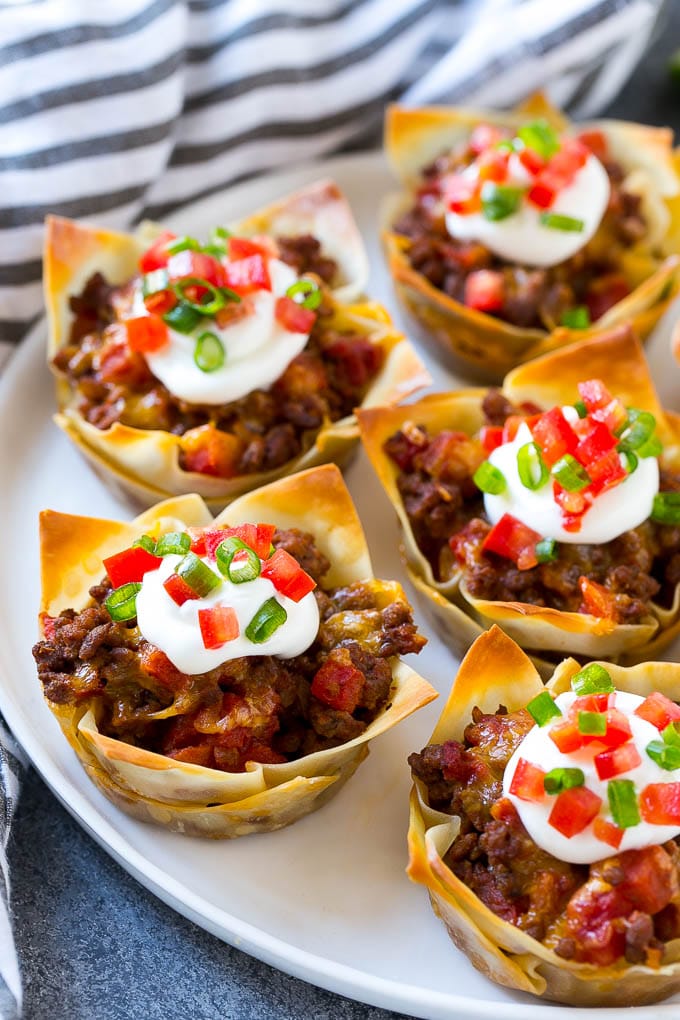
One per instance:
(605, 472)
(248, 274)
(156, 257)
(219, 624)
(293, 317)
(338, 683)
(527, 781)
(658, 710)
(593, 703)
(257, 536)
(649, 878)
(573, 810)
(484, 290)
(569, 160)
(513, 540)
(209, 451)
(618, 728)
(608, 833)
(199, 754)
(660, 804)
(461, 194)
(572, 504)
(566, 735)
(492, 165)
(197, 263)
(617, 760)
(287, 576)
(160, 302)
(554, 435)
(146, 334)
(531, 161)
(543, 191)
(130, 565)
(596, 443)
(491, 436)
(512, 424)
(178, 590)
(597, 600)
(243, 248)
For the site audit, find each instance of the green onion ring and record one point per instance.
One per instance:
(182, 318)
(546, 550)
(637, 431)
(571, 475)
(666, 756)
(209, 352)
(629, 460)
(531, 467)
(666, 508)
(122, 602)
(225, 552)
(173, 542)
(183, 244)
(200, 578)
(489, 478)
(592, 723)
(306, 293)
(592, 679)
(542, 708)
(202, 307)
(623, 802)
(560, 779)
(270, 616)
(558, 221)
(145, 542)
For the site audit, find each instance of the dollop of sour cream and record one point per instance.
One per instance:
(522, 237)
(176, 630)
(584, 848)
(613, 511)
(257, 348)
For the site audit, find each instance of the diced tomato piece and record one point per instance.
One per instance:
(130, 565)
(605, 472)
(197, 263)
(658, 710)
(606, 293)
(257, 536)
(607, 833)
(600, 404)
(293, 317)
(597, 600)
(593, 703)
(248, 274)
(596, 142)
(527, 781)
(566, 735)
(197, 536)
(338, 683)
(483, 136)
(462, 194)
(287, 576)
(618, 728)
(513, 540)
(484, 290)
(155, 663)
(554, 435)
(660, 804)
(199, 754)
(571, 157)
(244, 247)
(450, 455)
(511, 426)
(543, 191)
(649, 877)
(209, 451)
(492, 165)
(573, 810)
(572, 504)
(146, 334)
(491, 436)
(156, 257)
(160, 302)
(356, 360)
(617, 760)
(531, 161)
(178, 590)
(596, 443)
(219, 624)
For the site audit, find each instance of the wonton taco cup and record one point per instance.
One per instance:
(219, 366)
(253, 739)
(631, 610)
(554, 952)
(483, 297)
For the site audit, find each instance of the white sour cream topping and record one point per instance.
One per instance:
(614, 511)
(522, 237)
(257, 349)
(176, 631)
(584, 848)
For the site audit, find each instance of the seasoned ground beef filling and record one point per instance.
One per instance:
(259, 432)
(446, 512)
(259, 708)
(625, 906)
(533, 297)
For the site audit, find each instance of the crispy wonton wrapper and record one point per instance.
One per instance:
(191, 798)
(144, 462)
(497, 672)
(616, 358)
(481, 344)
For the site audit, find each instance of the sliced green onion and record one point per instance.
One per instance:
(209, 352)
(505, 145)
(671, 734)
(542, 708)
(145, 542)
(592, 679)
(173, 542)
(122, 603)
(623, 802)
(305, 293)
(217, 245)
(182, 318)
(592, 723)
(666, 756)
(499, 200)
(581, 409)
(666, 508)
(629, 460)
(183, 244)
(576, 318)
(153, 282)
(652, 448)
(218, 251)
(563, 779)
(558, 221)
(489, 478)
(546, 550)
(571, 475)
(214, 301)
(270, 616)
(238, 572)
(219, 234)
(531, 467)
(198, 575)
(229, 295)
(540, 136)
(637, 431)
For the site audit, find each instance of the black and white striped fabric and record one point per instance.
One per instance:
(114, 111)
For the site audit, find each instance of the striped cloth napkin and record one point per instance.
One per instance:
(112, 112)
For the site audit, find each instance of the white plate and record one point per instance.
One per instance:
(326, 900)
